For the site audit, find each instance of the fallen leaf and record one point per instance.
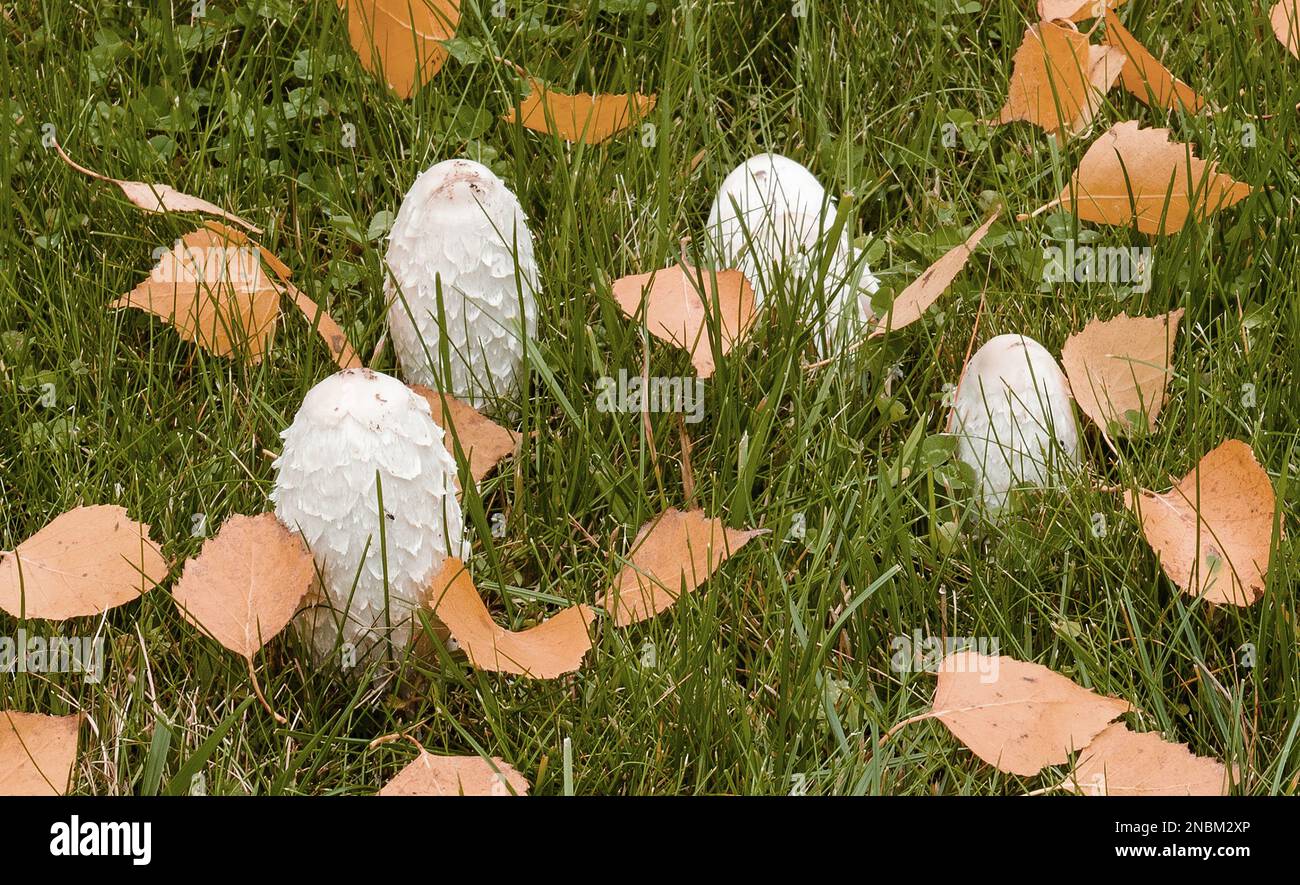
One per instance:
(83, 562)
(1145, 77)
(1051, 84)
(37, 753)
(584, 117)
(159, 198)
(679, 300)
(1018, 716)
(672, 554)
(484, 441)
(1285, 18)
(912, 303)
(552, 648)
(1075, 10)
(1212, 531)
(1120, 762)
(1131, 174)
(430, 775)
(400, 40)
(1120, 368)
(246, 583)
(1105, 65)
(211, 287)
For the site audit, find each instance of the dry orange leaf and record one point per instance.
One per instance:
(1075, 10)
(1285, 18)
(484, 441)
(430, 775)
(83, 562)
(37, 753)
(330, 332)
(1120, 762)
(1145, 76)
(211, 286)
(1018, 716)
(584, 117)
(1212, 531)
(672, 554)
(1119, 369)
(159, 197)
(912, 303)
(400, 39)
(1105, 65)
(246, 583)
(679, 300)
(1057, 79)
(552, 648)
(1131, 174)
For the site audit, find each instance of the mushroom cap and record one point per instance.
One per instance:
(770, 213)
(462, 234)
(360, 434)
(1013, 418)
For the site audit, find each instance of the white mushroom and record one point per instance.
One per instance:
(461, 233)
(360, 435)
(1013, 418)
(772, 215)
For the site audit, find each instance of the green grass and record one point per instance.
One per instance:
(777, 672)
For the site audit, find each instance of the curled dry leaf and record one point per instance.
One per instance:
(584, 117)
(1119, 369)
(912, 303)
(1145, 77)
(1212, 531)
(1285, 18)
(1131, 175)
(1058, 80)
(246, 583)
(552, 648)
(1120, 762)
(483, 441)
(1105, 65)
(672, 554)
(430, 775)
(83, 562)
(679, 302)
(159, 197)
(400, 40)
(211, 287)
(1018, 716)
(1075, 10)
(37, 753)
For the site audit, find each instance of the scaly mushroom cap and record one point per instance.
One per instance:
(358, 434)
(461, 230)
(1013, 418)
(772, 213)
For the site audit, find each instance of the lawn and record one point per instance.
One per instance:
(778, 675)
